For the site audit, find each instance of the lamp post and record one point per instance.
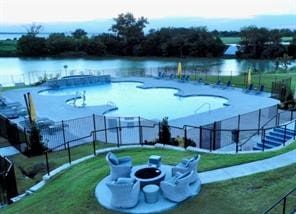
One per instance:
(65, 67)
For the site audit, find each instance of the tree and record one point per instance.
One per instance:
(29, 45)
(96, 47)
(34, 29)
(164, 134)
(129, 30)
(79, 34)
(58, 43)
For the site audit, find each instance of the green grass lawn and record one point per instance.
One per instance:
(231, 40)
(208, 161)
(236, 39)
(239, 81)
(73, 190)
(7, 47)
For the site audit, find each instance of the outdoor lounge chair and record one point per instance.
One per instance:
(249, 88)
(186, 165)
(228, 84)
(178, 187)
(5, 104)
(200, 81)
(119, 167)
(218, 83)
(125, 192)
(260, 90)
(13, 112)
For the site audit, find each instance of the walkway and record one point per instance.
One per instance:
(248, 168)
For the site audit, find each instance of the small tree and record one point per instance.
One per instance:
(164, 134)
(36, 145)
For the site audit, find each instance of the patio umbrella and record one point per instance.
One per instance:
(32, 108)
(249, 78)
(179, 73)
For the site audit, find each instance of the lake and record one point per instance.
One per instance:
(29, 70)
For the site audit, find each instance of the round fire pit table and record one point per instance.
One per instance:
(148, 175)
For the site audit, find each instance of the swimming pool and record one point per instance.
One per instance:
(131, 101)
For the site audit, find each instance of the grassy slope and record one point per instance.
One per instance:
(208, 161)
(73, 191)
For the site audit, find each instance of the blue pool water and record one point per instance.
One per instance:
(154, 103)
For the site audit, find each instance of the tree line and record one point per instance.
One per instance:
(127, 38)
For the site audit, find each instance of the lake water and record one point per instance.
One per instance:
(14, 69)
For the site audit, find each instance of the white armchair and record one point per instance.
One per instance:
(125, 192)
(178, 188)
(119, 167)
(186, 165)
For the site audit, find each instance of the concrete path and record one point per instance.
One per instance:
(248, 168)
(8, 151)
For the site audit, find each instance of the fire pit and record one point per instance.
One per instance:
(148, 175)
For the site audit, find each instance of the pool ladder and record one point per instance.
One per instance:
(202, 105)
(111, 104)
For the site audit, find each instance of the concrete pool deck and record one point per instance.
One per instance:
(55, 107)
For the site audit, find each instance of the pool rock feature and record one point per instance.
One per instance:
(78, 80)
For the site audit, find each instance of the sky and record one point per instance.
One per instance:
(34, 11)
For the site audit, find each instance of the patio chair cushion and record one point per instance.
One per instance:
(113, 159)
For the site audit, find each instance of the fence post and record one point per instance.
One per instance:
(185, 136)
(47, 164)
(285, 134)
(140, 131)
(105, 128)
(214, 136)
(238, 121)
(69, 153)
(291, 116)
(64, 136)
(284, 205)
(200, 137)
(259, 121)
(263, 139)
(211, 137)
(277, 116)
(117, 136)
(120, 136)
(94, 134)
(159, 131)
(294, 130)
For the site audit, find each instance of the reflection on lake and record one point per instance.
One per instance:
(16, 69)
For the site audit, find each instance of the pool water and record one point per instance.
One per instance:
(155, 103)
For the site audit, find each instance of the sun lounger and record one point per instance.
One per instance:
(250, 88)
(218, 83)
(228, 84)
(260, 90)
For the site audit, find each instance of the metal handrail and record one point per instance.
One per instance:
(280, 200)
(202, 105)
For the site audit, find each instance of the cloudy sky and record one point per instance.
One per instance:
(28, 11)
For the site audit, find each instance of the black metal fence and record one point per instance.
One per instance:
(8, 188)
(287, 204)
(280, 89)
(16, 135)
(230, 134)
